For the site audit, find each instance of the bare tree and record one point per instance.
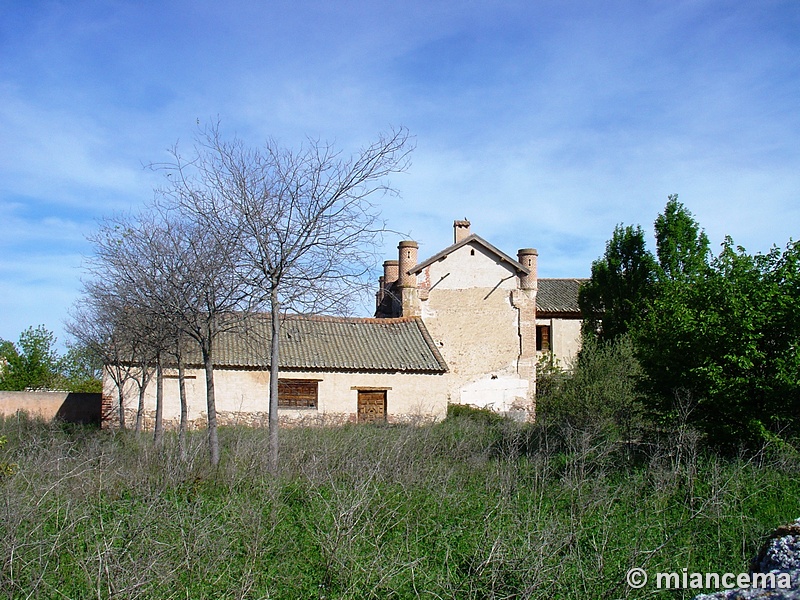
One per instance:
(179, 352)
(204, 297)
(180, 278)
(304, 222)
(145, 345)
(104, 327)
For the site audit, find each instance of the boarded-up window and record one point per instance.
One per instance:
(543, 337)
(297, 393)
(371, 406)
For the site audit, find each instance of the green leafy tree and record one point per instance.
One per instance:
(621, 286)
(33, 363)
(669, 338)
(8, 354)
(753, 374)
(681, 246)
(731, 341)
(722, 332)
(81, 368)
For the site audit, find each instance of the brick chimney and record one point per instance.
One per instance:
(379, 294)
(528, 258)
(391, 271)
(390, 275)
(460, 230)
(407, 251)
(524, 298)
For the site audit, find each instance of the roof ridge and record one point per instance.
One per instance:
(340, 319)
(473, 237)
(426, 335)
(563, 279)
(337, 318)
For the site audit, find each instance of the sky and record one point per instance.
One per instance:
(544, 123)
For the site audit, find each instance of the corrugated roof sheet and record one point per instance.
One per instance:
(332, 344)
(558, 295)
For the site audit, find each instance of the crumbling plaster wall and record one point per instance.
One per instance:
(465, 302)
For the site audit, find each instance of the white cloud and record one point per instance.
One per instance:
(545, 124)
(65, 158)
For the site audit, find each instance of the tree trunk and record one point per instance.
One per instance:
(137, 426)
(142, 388)
(184, 425)
(275, 307)
(121, 393)
(213, 438)
(158, 430)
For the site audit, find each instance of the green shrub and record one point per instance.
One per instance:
(601, 394)
(551, 376)
(473, 413)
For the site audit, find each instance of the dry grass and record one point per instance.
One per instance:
(467, 508)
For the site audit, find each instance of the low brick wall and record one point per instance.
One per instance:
(64, 406)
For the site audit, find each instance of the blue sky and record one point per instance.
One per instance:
(544, 123)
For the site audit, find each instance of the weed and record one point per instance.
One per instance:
(471, 507)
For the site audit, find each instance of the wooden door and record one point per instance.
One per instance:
(371, 406)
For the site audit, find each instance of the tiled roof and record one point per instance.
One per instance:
(332, 344)
(558, 295)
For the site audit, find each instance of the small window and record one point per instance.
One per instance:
(297, 393)
(543, 338)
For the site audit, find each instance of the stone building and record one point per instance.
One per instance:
(489, 315)
(332, 369)
(466, 325)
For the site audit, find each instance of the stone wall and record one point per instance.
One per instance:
(309, 418)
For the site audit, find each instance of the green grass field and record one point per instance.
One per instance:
(467, 508)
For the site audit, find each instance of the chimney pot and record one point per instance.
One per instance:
(391, 272)
(460, 230)
(528, 258)
(408, 259)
